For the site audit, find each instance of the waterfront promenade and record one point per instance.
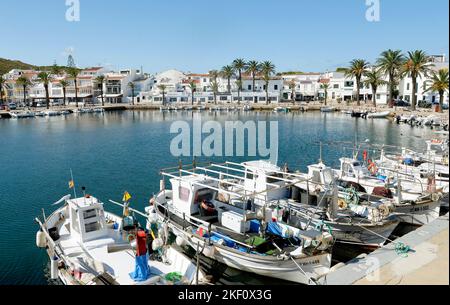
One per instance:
(426, 264)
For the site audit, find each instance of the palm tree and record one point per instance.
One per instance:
(100, 80)
(416, 65)
(228, 73)
(214, 84)
(357, 69)
(56, 70)
(267, 69)
(239, 65)
(2, 82)
(390, 63)
(253, 68)
(72, 73)
(239, 84)
(163, 88)
(24, 82)
(292, 85)
(132, 86)
(45, 78)
(325, 88)
(374, 79)
(192, 86)
(439, 83)
(64, 84)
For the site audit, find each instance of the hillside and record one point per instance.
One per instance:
(7, 65)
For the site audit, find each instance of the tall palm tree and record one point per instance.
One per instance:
(56, 70)
(64, 84)
(239, 65)
(325, 88)
(2, 82)
(214, 84)
(163, 88)
(439, 83)
(253, 68)
(25, 83)
(100, 80)
(72, 73)
(357, 69)
(267, 69)
(292, 85)
(390, 63)
(374, 78)
(416, 65)
(228, 72)
(132, 86)
(239, 84)
(193, 87)
(45, 78)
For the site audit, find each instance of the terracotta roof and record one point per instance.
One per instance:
(93, 69)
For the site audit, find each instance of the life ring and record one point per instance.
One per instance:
(208, 206)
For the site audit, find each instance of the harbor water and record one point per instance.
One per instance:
(123, 151)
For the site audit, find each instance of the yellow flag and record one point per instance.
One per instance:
(126, 197)
(71, 184)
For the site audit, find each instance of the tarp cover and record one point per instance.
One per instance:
(274, 229)
(142, 270)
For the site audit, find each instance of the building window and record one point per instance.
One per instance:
(378, 96)
(336, 86)
(275, 87)
(407, 86)
(249, 87)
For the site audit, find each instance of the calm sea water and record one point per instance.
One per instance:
(113, 152)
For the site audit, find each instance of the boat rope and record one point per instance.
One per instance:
(400, 248)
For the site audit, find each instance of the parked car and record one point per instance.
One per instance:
(424, 104)
(12, 106)
(401, 103)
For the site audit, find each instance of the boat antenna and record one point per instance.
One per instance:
(73, 183)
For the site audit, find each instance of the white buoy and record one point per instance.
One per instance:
(54, 268)
(41, 241)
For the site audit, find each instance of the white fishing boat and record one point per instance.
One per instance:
(379, 115)
(40, 114)
(328, 109)
(52, 113)
(99, 110)
(247, 108)
(22, 114)
(90, 246)
(236, 234)
(314, 198)
(415, 202)
(347, 111)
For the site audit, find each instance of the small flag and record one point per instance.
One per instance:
(126, 197)
(71, 184)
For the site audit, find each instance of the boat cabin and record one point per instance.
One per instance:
(262, 175)
(320, 174)
(352, 168)
(87, 219)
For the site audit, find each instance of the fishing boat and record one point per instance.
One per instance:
(52, 113)
(237, 232)
(328, 109)
(415, 202)
(314, 199)
(247, 108)
(22, 115)
(378, 115)
(99, 110)
(90, 246)
(358, 114)
(40, 114)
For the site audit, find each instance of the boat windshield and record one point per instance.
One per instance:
(328, 176)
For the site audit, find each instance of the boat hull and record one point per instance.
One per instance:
(312, 267)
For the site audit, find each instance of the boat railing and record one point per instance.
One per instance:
(413, 179)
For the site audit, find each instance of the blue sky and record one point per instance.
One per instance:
(199, 35)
